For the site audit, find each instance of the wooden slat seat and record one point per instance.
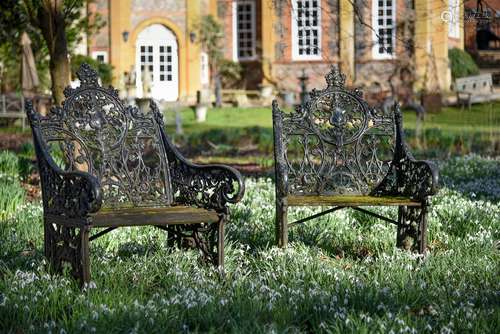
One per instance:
(138, 216)
(347, 200)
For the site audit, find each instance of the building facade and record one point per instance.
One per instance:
(375, 42)
(482, 35)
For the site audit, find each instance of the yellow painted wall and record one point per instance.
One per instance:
(431, 45)
(346, 43)
(193, 17)
(267, 21)
(120, 56)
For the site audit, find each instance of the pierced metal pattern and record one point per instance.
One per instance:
(206, 186)
(336, 143)
(209, 188)
(70, 194)
(412, 228)
(121, 146)
(203, 237)
(106, 153)
(416, 179)
(63, 244)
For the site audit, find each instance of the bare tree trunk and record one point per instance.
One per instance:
(51, 21)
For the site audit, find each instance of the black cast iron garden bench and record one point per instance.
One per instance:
(104, 165)
(336, 151)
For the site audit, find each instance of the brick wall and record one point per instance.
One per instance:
(373, 75)
(100, 41)
(285, 70)
(174, 10)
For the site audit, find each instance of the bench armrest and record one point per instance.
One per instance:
(204, 186)
(408, 177)
(68, 193)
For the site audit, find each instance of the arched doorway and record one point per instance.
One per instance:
(157, 54)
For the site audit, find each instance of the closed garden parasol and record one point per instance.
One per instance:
(29, 76)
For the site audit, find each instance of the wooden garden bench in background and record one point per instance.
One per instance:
(104, 165)
(12, 106)
(338, 152)
(239, 97)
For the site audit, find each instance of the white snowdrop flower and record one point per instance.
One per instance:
(446, 330)
(89, 285)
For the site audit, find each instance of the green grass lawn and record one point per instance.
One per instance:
(481, 118)
(245, 135)
(238, 135)
(341, 273)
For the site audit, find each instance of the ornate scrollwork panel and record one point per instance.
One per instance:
(121, 146)
(336, 143)
(64, 245)
(209, 187)
(411, 228)
(203, 237)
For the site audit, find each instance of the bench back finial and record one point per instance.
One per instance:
(334, 144)
(95, 132)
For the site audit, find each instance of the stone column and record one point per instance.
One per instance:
(422, 42)
(346, 43)
(120, 54)
(267, 21)
(193, 17)
(440, 42)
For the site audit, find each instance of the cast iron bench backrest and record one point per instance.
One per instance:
(475, 85)
(335, 144)
(118, 144)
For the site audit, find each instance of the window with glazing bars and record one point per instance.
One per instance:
(147, 59)
(384, 17)
(165, 63)
(245, 29)
(307, 32)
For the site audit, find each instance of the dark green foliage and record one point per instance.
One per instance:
(14, 20)
(11, 193)
(462, 64)
(9, 163)
(104, 70)
(20, 165)
(230, 72)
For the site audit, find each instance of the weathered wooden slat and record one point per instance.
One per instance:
(153, 216)
(339, 200)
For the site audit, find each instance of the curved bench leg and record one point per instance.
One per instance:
(209, 240)
(281, 223)
(64, 244)
(412, 228)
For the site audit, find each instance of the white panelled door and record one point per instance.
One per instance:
(156, 54)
